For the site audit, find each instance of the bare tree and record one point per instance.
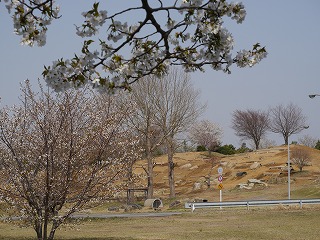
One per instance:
(142, 120)
(300, 157)
(206, 133)
(287, 120)
(59, 149)
(176, 108)
(251, 125)
(308, 141)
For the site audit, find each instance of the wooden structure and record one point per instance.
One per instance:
(131, 191)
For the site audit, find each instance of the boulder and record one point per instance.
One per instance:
(257, 182)
(254, 181)
(200, 186)
(197, 186)
(224, 164)
(197, 200)
(202, 179)
(194, 167)
(243, 186)
(132, 207)
(115, 209)
(175, 204)
(186, 166)
(241, 174)
(255, 165)
(251, 184)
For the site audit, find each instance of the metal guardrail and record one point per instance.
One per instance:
(248, 204)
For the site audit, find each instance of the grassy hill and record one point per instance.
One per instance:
(194, 169)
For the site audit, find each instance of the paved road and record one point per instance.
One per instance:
(105, 215)
(126, 215)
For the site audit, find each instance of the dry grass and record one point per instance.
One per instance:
(276, 223)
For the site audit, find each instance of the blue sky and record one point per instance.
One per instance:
(288, 28)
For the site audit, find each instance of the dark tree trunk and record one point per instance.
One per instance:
(130, 184)
(150, 163)
(171, 168)
(150, 177)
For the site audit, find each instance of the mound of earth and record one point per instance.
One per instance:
(196, 174)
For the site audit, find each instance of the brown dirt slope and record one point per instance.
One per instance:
(194, 169)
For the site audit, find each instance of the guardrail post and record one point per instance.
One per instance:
(247, 205)
(192, 207)
(300, 204)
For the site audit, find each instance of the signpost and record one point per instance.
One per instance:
(220, 178)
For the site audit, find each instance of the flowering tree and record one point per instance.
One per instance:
(131, 150)
(308, 141)
(189, 33)
(60, 149)
(206, 133)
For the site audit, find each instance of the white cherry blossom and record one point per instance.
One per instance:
(116, 53)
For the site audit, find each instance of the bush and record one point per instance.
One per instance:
(243, 150)
(227, 149)
(201, 148)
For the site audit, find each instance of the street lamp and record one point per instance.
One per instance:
(289, 167)
(313, 95)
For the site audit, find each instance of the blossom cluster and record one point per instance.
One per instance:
(250, 58)
(65, 74)
(31, 20)
(94, 19)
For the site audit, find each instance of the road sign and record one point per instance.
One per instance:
(220, 170)
(220, 186)
(220, 178)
